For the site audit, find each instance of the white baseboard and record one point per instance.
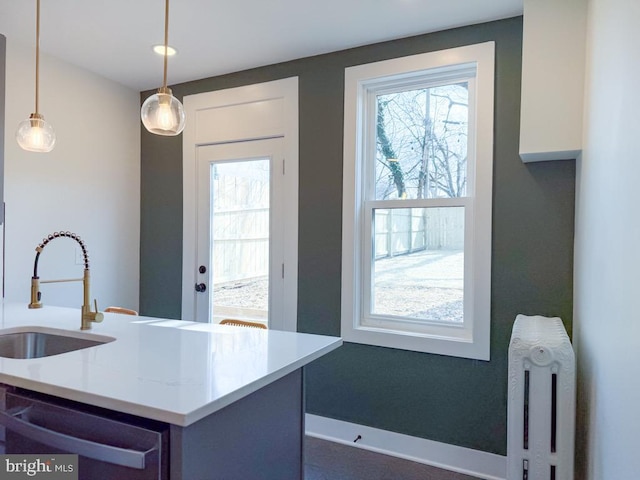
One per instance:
(442, 455)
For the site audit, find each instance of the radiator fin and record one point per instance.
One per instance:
(554, 411)
(525, 439)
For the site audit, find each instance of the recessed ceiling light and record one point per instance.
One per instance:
(159, 49)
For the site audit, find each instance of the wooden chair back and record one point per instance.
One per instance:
(124, 311)
(242, 323)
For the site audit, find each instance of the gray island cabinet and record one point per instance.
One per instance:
(258, 437)
(213, 402)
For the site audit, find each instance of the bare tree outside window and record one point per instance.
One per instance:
(422, 143)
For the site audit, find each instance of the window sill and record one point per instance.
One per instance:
(457, 343)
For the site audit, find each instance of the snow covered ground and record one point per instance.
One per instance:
(426, 285)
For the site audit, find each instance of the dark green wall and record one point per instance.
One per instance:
(452, 400)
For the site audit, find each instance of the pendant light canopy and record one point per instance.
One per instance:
(162, 113)
(35, 134)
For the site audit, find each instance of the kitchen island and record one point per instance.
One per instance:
(231, 397)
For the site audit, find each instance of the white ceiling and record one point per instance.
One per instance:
(114, 38)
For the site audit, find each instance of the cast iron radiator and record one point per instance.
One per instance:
(541, 403)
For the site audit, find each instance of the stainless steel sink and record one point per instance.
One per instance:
(44, 343)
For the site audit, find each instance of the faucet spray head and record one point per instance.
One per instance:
(35, 293)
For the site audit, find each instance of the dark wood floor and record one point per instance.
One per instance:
(332, 461)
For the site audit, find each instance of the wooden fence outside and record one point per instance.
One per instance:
(240, 244)
(408, 230)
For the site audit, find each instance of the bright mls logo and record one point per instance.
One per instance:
(50, 467)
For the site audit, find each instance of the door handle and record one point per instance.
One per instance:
(201, 287)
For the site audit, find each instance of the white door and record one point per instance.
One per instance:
(240, 254)
(234, 133)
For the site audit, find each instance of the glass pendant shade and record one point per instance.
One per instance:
(35, 134)
(163, 114)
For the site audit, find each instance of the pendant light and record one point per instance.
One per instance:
(34, 134)
(162, 113)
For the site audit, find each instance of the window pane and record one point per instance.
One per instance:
(418, 265)
(240, 238)
(421, 143)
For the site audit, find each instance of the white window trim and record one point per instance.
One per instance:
(472, 341)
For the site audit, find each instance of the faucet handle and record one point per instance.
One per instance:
(98, 316)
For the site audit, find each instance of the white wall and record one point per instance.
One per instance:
(89, 184)
(607, 255)
(553, 54)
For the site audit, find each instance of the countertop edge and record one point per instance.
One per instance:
(207, 410)
(181, 420)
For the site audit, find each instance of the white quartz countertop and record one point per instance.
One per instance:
(168, 370)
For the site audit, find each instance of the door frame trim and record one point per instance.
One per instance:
(287, 127)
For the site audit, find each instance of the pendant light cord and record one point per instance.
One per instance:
(166, 41)
(38, 54)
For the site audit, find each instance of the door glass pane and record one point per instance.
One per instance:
(421, 143)
(418, 264)
(240, 239)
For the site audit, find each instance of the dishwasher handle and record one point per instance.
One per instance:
(86, 448)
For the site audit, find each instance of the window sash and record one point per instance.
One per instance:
(393, 84)
(397, 83)
(368, 319)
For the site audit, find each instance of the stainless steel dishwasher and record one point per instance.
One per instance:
(109, 445)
